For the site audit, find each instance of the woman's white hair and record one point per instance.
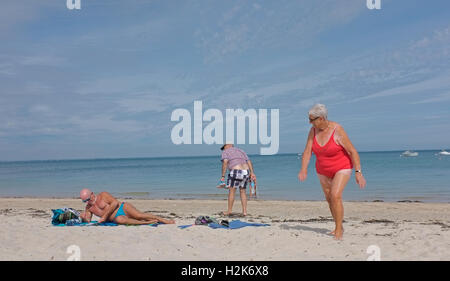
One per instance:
(318, 110)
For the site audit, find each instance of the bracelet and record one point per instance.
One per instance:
(358, 171)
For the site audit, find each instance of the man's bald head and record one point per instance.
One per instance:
(85, 194)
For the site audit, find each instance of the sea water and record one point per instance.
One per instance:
(389, 176)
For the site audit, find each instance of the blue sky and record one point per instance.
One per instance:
(102, 82)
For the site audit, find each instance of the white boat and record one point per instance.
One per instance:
(443, 152)
(409, 153)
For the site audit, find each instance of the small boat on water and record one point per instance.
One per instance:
(409, 153)
(443, 152)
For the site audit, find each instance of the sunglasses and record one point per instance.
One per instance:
(312, 120)
(88, 199)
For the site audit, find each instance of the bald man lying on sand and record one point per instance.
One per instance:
(109, 209)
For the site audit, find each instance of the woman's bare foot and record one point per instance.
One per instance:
(338, 233)
(334, 232)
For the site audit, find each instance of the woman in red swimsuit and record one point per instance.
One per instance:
(335, 158)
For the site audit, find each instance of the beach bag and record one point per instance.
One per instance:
(67, 216)
(204, 220)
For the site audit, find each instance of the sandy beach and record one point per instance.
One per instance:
(298, 231)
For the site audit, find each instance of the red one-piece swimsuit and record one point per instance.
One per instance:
(331, 157)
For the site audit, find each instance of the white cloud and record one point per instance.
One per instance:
(16, 13)
(436, 83)
(249, 26)
(14, 64)
(40, 108)
(7, 69)
(102, 122)
(436, 99)
(42, 60)
(153, 103)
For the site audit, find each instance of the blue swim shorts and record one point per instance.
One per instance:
(120, 212)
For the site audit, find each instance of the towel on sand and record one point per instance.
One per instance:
(235, 224)
(95, 223)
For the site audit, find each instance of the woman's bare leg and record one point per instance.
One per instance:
(326, 182)
(339, 182)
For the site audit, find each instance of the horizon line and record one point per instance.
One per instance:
(187, 156)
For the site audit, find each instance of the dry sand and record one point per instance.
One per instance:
(298, 231)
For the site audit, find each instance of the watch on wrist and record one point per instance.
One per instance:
(358, 171)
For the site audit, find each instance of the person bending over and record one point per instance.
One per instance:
(240, 173)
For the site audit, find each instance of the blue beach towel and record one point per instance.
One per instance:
(235, 224)
(185, 226)
(95, 223)
(71, 217)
